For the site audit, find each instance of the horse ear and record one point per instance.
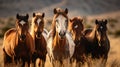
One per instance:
(17, 16)
(27, 16)
(66, 11)
(55, 11)
(33, 14)
(43, 15)
(96, 21)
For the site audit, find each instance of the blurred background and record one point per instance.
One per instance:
(89, 10)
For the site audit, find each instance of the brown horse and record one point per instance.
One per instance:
(37, 32)
(99, 44)
(59, 46)
(76, 27)
(18, 43)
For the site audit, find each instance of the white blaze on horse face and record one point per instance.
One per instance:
(76, 26)
(61, 23)
(38, 21)
(22, 23)
(101, 27)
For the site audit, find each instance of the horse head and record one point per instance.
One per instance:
(60, 22)
(76, 27)
(22, 26)
(101, 28)
(38, 24)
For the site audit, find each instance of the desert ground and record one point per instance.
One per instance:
(89, 10)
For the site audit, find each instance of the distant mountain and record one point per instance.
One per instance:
(76, 7)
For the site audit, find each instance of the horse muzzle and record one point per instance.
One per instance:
(38, 34)
(22, 37)
(62, 34)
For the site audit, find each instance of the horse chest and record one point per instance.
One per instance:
(60, 52)
(21, 49)
(39, 44)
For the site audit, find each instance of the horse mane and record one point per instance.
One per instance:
(92, 34)
(59, 12)
(32, 26)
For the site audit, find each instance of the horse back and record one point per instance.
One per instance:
(9, 41)
(86, 32)
(9, 32)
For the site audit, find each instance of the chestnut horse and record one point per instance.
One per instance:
(76, 27)
(99, 44)
(39, 36)
(60, 44)
(18, 43)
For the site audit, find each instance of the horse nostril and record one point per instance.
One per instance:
(22, 36)
(62, 33)
(39, 32)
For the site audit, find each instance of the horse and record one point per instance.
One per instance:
(39, 35)
(76, 27)
(18, 43)
(99, 44)
(60, 45)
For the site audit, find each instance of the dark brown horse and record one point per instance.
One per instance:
(60, 42)
(18, 43)
(99, 44)
(37, 32)
(76, 27)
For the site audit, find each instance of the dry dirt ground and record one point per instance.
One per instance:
(113, 58)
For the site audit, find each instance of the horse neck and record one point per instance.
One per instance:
(77, 37)
(32, 32)
(93, 34)
(57, 41)
(104, 38)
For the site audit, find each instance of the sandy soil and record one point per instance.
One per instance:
(114, 54)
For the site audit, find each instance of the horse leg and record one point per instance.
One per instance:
(23, 62)
(66, 62)
(28, 62)
(38, 62)
(77, 64)
(104, 60)
(7, 59)
(53, 62)
(43, 63)
(61, 63)
(71, 62)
